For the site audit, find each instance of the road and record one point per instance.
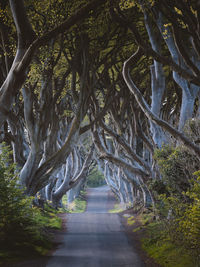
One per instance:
(95, 238)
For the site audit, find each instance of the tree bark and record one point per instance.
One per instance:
(27, 46)
(145, 108)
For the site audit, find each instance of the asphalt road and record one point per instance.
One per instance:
(95, 238)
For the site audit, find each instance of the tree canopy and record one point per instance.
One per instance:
(100, 83)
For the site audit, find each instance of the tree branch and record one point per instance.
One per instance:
(145, 108)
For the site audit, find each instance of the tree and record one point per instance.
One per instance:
(134, 89)
(74, 85)
(27, 45)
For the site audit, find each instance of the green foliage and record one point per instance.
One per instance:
(45, 15)
(158, 244)
(183, 225)
(77, 206)
(126, 4)
(131, 220)
(165, 252)
(177, 166)
(95, 178)
(192, 130)
(117, 208)
(23, 227)
(178, 205)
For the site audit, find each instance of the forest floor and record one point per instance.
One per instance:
(95, 238)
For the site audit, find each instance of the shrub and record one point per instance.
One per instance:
(21, 224)
(174, 240)
(178, 197)
(177, 165)
(192, 130)
(189, 222)
(183, 225)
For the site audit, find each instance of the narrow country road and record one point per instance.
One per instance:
(95, 238)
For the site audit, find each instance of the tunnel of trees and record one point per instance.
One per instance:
(113, 85)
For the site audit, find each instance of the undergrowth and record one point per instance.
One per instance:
(173, 240)
(24, 228)
(117, 208)
(157, 243)
(77, 206)
(163, 250)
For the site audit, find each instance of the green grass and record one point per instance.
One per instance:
(131, 220)
(48, 220)
(160, 248)
(117, 208)
(167, 254)
(157, 244)
(49, 217)
(77, 206)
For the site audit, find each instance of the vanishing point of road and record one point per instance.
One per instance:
(95, 238)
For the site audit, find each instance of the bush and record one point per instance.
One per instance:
(177, 165)
(183, 225)
(192, 130)
(21, 224)
(174, 240)
(178, 197)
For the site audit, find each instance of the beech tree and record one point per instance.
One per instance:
(40, 121)
(183, 76)
(189, 77)
(28, 42)
(115, 71)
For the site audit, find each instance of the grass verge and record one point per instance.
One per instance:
(117, 208)
(156, 244)
(77, 206)
(159, 247)
(39, 244)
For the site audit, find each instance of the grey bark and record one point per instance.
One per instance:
(157, 82)
(27, 46)
(189, 90)
(71, 179)
(146, 109)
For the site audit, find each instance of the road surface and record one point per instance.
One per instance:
(95, 238)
